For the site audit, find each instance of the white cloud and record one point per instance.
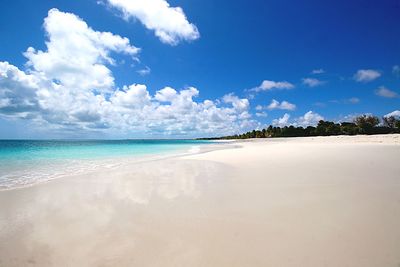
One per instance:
(134, 96)
(144, 72)
(75, 52)
(267, 85)
(395, 113)
(308, 119)
(350, 117)
(311, 82)
(129, 111)
(385, 92)
(18, 91)
(239, 104)
(284, 105)
(69, 89)
(166, 94)
(317, 71)
(366, 75)
(281, 122)
(169, 23)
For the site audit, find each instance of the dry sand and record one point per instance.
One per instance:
(329, 201)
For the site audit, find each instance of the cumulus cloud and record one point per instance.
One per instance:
(130, 110)
(317, 71)
(169, 23)
(267, 85)
(18, 91)
(281, 122)
(239, 104)
(284, 105)
(69, 88)
(134, 96)
(312, 82)
(76, 52)
(308, 119)
(385, 92)
(366, 75)
(395, 113)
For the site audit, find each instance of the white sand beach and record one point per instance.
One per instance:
(323, 201)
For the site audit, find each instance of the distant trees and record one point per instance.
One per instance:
(325, 128)
(397, 124)
(349, 128)
(365, 124)
(390, 122)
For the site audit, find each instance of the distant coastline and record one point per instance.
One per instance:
(361, 125)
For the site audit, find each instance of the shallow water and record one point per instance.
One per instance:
(26, 162)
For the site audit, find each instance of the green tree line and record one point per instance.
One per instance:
(365, 124)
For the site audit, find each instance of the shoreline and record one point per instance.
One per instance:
(105, 164)
(102, 164)
(293, 202)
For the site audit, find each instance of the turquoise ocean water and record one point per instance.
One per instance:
(26, 162)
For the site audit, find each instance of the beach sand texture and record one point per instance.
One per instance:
(323, 201)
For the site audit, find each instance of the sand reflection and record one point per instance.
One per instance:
(104, 216)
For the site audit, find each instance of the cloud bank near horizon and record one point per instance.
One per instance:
(72, 89)
(69, 86)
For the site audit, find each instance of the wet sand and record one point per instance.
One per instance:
(331, 201)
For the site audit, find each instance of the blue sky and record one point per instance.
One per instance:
(220, 51)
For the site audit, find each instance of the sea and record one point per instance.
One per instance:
(28, 162)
